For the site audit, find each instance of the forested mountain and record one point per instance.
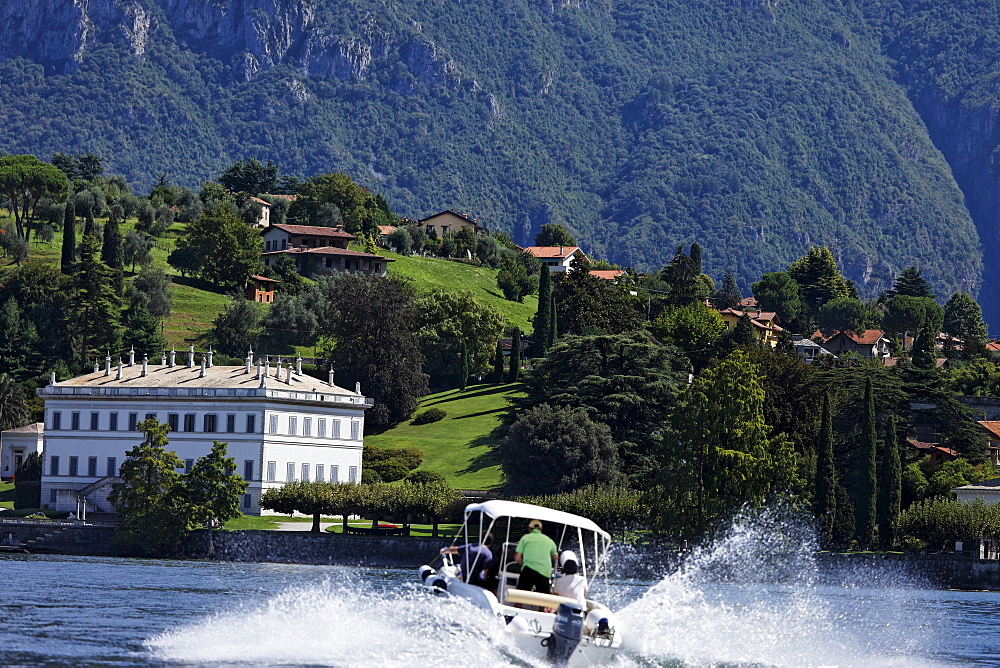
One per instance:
(755, 127)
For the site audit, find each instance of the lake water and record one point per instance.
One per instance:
(754, 597)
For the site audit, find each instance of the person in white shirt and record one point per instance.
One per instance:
(571, 584)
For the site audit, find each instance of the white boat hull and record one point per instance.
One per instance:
(529, 628)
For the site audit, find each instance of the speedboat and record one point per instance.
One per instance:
(558, 629)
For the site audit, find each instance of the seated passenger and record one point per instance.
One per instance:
(475, 560)
(571, 584)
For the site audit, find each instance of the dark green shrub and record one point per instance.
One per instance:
(429, 415)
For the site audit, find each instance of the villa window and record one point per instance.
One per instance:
(113, 421)
(273, 425)
(305, 473)
(209, 423)
(92, 467)
(307, 426)
(54, 465)
(319, 473)
(188, 463)
(112, 466)
(74, 422)
(293, 425)
(247, 500)
(56, 420)
(74, 466)
(248, 469)
(336, 428)
(133, 421)
(321, 428)
(272, 471)
(251, 423)
(231, 423)
(95, 420)
(172, 421)
(355, 430)
(334, 474)
(353, 474)
(290, 473)
(189, 422)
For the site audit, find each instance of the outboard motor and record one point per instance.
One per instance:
(567, 631)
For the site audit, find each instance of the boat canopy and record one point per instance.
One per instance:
(499, 508)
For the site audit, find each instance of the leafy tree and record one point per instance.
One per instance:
(842, 313)
(446, 321)
(867, 480)
(463, 374)
(695, 329)
(910, 283)
(391, 464)
(18, 341)
(227, 251)
(964, 319)
(557, 449)
(292, 320)
(401, 240)
(543, 316)
(370, 324)
(890, 484)
(923, 353)
(151, 513)
(151, 288)
(211, 490)
(144, 329)
(307, 497)
(744, 334)
(818, 277)
(586, 305)
(24, 182)
(905, 313)
(238, 327)
(779, 292)
(250, 176)
(554, 234)
(13, 404)
(723, 455)
(825, 490)
(628, 381)
(97, 305)
(68, 258)
(513, 280)
(361, 211)
(728, 295)
(514, 371)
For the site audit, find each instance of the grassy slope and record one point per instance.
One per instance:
(6, 495)
(436, 274)
(459, 446)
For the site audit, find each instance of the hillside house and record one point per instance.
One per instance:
(282, 237)
(808, 350)
(261, 289)
(609, 274)
(327, 259)
(558, 258)
(448, 223)
(870, 344)
(992, 430)
(265, 212)
(18, 443)
(987, 490)
(765, 323)
(280, 424)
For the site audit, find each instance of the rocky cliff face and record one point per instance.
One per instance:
(251, 35)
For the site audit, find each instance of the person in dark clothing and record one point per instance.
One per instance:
(474, 559)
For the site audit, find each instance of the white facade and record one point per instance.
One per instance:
(16, 444)
(279, 425)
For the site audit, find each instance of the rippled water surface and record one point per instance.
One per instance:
(754, 597)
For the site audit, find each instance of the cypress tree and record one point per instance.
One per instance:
(867, 487)
(544, 314)
(890, 485)
(89, 227)
(463, 371)
(843, 526)
(825, 493)
(695, 254)
(497, 376)
(69, 239)
(514, 373)
(113, 249)
(553, 333)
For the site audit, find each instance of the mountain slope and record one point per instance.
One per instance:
(754, 127)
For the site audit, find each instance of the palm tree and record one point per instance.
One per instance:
(13, 404)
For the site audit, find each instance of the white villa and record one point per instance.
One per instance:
(280, 424)
(16, 444)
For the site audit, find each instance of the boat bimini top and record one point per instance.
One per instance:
(590, 541)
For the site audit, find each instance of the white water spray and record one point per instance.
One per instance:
(754, 596)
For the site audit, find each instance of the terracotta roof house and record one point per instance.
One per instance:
(870, 344)
(280, 237)
(939, 455)
(558, 258)
(261, 289)
(608, 274)
(749, 302)
(764, 322)
(992, 430)
(447, 223)
(265, 212)
(327, 259)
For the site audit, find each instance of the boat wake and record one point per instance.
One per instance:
(754, 596)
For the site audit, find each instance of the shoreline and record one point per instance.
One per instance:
(937, 570)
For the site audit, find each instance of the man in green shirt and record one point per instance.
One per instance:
(536, 553)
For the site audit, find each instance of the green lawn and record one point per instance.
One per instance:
(460, 446)
(270, 523)
(7, 495)
(437, 274)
